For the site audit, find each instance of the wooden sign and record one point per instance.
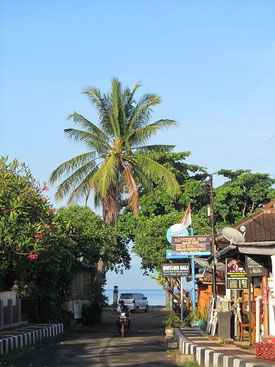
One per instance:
(191, 243)
(175, 270)
(236, 277)
(254, 268)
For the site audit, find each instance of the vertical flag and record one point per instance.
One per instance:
(184, 223)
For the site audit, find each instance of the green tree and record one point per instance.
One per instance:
(48, 279)
(26, 219)
(158, 211)
(42, 248)
(87, 232)
(111, 168)
(241, 195)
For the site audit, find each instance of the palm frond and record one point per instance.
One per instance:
(88, 126)
(159, 173)
(141, 114)
(155, 148)
(115, 107)
(71, 165)
(129, 102)
(140, 136)
(83, 189)
(91, 140)
(102, 104)
(75, 179)
(106, 174)
(142, 179)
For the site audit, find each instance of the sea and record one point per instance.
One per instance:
(156, 297)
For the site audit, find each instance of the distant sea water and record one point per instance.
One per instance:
(156, 297)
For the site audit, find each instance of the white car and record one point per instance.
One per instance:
(134, 301)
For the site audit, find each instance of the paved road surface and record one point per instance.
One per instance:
(102, 346)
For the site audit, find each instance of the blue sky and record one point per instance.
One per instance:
(212, 62)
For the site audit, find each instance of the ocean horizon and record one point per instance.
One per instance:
(156, 297)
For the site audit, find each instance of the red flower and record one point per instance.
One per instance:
(45, 188)
(52, 211)
(38, 235)
(33, 256)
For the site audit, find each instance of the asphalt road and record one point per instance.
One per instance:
(103, 346)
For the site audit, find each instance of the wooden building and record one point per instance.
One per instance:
(257, 302)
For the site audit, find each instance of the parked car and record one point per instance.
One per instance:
(135, 301)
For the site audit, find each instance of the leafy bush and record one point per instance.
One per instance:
(91, 314)
(40, 248)
(173, 320)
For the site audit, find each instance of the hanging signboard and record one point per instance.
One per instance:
(175, 270)
(185, 254)
(191, 243)
(77, 309)
(171, 233)
(236, 277)
(254, 268)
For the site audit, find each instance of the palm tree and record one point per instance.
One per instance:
(111, 168)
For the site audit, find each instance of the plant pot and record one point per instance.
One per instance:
(169, 333)
(201, 324)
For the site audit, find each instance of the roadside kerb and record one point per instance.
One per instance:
(210, 357)
(19, 338)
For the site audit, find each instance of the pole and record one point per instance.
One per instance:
(193, 284)
(213, 243)
(258, 322)
(181, 298)
(265, 305)
(249, 305)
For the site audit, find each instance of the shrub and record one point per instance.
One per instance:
(173, 321)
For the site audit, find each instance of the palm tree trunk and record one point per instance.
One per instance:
(110, 212)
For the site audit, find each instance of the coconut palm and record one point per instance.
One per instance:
(111, 168)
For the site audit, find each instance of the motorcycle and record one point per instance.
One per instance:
(123, 324)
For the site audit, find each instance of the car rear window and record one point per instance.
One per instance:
(126, 296)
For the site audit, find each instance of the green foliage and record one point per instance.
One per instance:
(200, 315)
(238, 197)
(27, 224)
(241, 195)
(88, 234)
(111, 168)
(189, 364)
(42, 250)
(158, 211)
(173, 320)
(91, 314)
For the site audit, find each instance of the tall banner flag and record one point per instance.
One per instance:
(179, 229)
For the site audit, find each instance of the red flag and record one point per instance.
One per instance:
(185, 222)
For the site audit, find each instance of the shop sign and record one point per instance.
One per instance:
(236, 277)
(185, 254)
(175, 270)
(254, 268)
(191, 243)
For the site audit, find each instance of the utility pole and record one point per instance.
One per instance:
(213, 247)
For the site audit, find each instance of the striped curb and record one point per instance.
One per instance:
(28, 336)
(209, 357)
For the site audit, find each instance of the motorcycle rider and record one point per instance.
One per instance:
(123, 308)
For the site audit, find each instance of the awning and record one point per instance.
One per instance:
(205, 264)
(251, 248)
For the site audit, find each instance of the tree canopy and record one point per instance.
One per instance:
(241, 194)
(42, 248)
(110, 167)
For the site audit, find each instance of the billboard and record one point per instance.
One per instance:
(236, 277)
(191, 244)
(175, 269)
